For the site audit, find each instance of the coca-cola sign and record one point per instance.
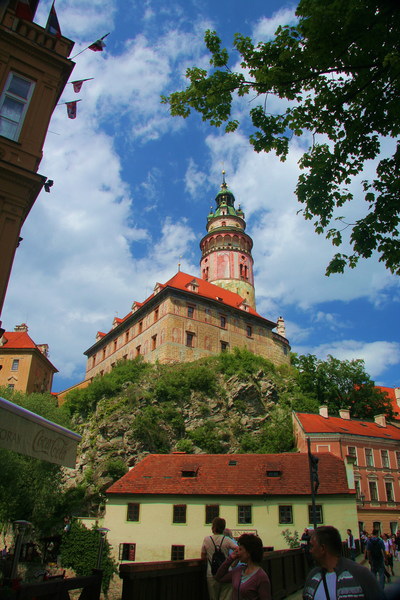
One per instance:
(49, 445)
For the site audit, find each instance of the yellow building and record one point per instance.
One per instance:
(163, 507)
(24, 365)
(34, 69)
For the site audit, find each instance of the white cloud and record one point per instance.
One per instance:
(266, 27)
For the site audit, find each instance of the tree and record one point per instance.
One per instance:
(341, 384)
(339, 68)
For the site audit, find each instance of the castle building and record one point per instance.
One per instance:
(34, 69)
(24, 365)
(187, 317)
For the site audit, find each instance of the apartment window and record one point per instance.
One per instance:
(133, 510)
(369, 458)
(153, 342)
(222, 321)
(352, 452)
(285, 514)
(212, 511)
(389, 491)
(244, 514)
(15, 364)
(127, 552)
(179, 513)
(14, 103)
(249, 331)
(190, 311)
(189, 339)
(318, 514)
(177, 552)
(385, 459)
(373, 491)
(224, 346)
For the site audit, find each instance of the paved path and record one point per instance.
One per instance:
(396, 579)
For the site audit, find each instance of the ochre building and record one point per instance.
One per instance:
(188, 317)
(24, 365)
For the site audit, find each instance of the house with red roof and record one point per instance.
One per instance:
(164, 506)
(189, 317)
(24, 365)
(373, 447)
(394, 396)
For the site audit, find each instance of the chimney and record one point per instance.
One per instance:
(344, 413)
(22, 327)
(280, 327)
(323, 411)
(397, 395)
(380, 420)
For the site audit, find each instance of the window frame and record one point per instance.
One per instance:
(371, 485)
(177, 552)
(179, 514)
(249, 331)
(369, 457)
(18, 99)
(190, 311)
(127, 548)
(133, 512)
(350, 452)
(244, 514)
(222, 321)
(211, 511)
(224, 346)
(189, 342)
(389, 485)
(319, 514)
(285, 514)
(15, 364)
(385, 459)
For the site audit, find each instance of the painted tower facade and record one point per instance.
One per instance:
(226, 258)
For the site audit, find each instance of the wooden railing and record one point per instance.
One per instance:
(56, 589)
(183, 579)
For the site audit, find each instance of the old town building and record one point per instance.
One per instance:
(188, 317)
(34, 69)
(24, 365)
(373, 447)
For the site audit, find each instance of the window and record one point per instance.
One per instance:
(244, 514)
(212, 511)
(385, 459)
(389, 491)
(104, 353)
(140, 326)
(14, 103)
(154, 342)
(11, 386)
(177, 552)
(285, 514)
(222, 321)
(398, 459)
(318, 514)
(369, 459)
(15, 364)
(224, 346)
(377, 525)
(133, 511)
(127, 552)
(249, 331)
(393, 527)
(138, 350)
(357, 485)
(373, 491)
(179, 513)
(352, 452)
(190, 311)
(156, 315)
(189, 339)
(115, 345)
(127, 336)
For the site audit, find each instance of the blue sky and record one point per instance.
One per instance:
(133, 186)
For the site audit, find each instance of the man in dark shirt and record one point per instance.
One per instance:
(376, 556)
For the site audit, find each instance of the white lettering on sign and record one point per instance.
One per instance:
(56, 448)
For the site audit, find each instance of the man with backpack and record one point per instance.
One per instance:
(376, 557)
(215, 550)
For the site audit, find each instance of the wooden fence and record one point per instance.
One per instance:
(56, 589)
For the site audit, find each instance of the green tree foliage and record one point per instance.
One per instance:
(44, 405)
(341, 384)
(79, 551)
(116, 468)
(177, 384)
(242, 363)
(338, 75)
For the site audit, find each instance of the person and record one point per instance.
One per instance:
(376, 556)
(249, 581)
(389, 552)
(305, 545)
(363, 540)
(335, 576)
(351, 545)
(216, 590)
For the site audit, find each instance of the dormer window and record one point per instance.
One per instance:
(190, 471)
(157, 288)
(274, 473)
(193, 286)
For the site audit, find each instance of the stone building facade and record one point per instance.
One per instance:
(189, 318)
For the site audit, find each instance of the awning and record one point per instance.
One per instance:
(28, 433)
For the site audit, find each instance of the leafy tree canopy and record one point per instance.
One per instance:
(339, 68)
(341, 384)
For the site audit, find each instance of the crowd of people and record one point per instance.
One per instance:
(234, 570)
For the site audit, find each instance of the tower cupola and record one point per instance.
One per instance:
(226, 248)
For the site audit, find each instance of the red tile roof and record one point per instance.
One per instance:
(18, 339)
(312, 423)
(393, 400)
(232, 475)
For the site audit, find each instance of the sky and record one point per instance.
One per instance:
(133, 187)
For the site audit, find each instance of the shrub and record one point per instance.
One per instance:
(116, 468)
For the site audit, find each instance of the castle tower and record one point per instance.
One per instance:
(226, 258)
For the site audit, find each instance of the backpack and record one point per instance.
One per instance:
(375, 548)
(218, 556)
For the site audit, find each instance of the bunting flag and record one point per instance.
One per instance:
(98, 45)
(53, 26)
(71, 109)
(77, 85)
(26, 9)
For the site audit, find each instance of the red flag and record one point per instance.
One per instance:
(71, 109)
(97, 46)
(53, 26)
(26, 9)
(78, 84)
